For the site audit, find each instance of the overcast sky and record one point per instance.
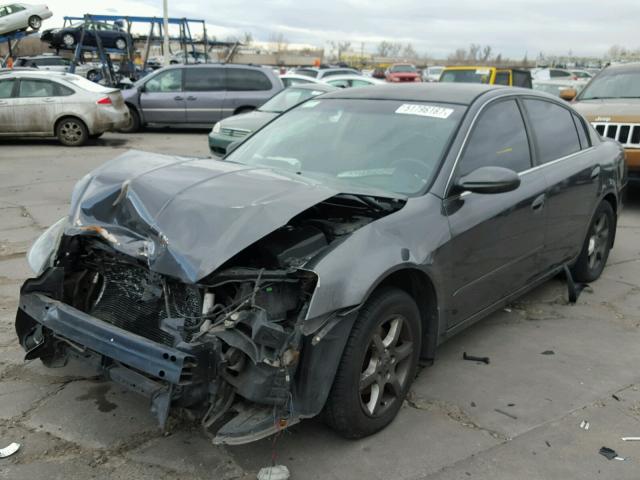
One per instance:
(436, 27)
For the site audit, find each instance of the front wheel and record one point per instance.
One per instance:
(68, 40)
(35, 22)
(596, 247)
(378, 365)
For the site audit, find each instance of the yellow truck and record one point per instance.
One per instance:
(512, 77)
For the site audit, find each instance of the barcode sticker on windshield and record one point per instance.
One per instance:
(424, 110)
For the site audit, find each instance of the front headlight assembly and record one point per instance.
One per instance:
(216, 128)
(41, 253)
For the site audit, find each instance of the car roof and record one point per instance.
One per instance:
(325, 87)
(460, 93)
(352, 77)
(217, 65)
(624, 67)
(34, 72)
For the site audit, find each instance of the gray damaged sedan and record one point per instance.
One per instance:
(312, 269)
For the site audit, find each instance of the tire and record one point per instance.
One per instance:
(92, 75)
(134, 122)
(68, 40)
(596, 247)
(377, 367)
(72, 132)
(121, 44)
(35, 22)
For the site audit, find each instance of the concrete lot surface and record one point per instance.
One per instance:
(552, 366)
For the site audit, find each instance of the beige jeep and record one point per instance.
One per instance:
(611, 103)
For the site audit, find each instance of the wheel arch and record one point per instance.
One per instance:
(137, 109)
(62, 116)
(613, 201)
(421, 288)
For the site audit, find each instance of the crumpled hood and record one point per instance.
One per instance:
(187, 216)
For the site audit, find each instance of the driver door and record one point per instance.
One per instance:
(497, 239)
(162, 99)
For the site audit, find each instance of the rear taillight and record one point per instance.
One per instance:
(104, 101)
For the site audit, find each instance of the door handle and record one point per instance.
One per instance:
(48, 100)
(595, 173)
(538, 203)
(191, 97)
(178, 98)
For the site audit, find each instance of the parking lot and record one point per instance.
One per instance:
(552, 366)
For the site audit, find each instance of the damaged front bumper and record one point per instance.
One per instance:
(238, 397)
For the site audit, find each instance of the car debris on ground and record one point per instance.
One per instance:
(610, 454)
(475, 359)
(9, 450)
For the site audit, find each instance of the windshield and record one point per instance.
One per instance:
(479, 75)
(435, 70)
(288, 98)
(613, 84)
(403, 69)
(385, 145)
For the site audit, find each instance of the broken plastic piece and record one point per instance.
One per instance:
(277, 472)
(505, 413)
(631, 439)
(585, 425)
(9, 450)
(548, 352)
(574, 288)
(615, 397)
(610, 454)
(475, 359)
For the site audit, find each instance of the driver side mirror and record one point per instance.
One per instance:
(489, 180)
(568, 94)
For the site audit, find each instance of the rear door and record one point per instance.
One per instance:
(38, 104)
(162, 99)
(205, 94)
(496, 238)
(570, 166)
(7, 105)
(246, 88)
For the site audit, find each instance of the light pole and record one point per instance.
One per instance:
(165, 14)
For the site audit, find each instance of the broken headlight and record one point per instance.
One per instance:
(44, 248)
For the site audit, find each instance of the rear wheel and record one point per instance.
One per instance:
(596, 247)
(133, 125)
(378, 365)
(72, 132)
(35, 22)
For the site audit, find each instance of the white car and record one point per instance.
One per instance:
(432, 74)
(20, 16)
(290, 79)
(348, 81)
(54, 104)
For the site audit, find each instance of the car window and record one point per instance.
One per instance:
(339, 83)
(360, 83)
(502, 78)
(243, 79)
(30, 88)
(521, 79)
(559, 73)
(553, 127)
(167, 81)
(479, 75)
(582, 132)
(16, 8)
(6, 87)
(48, 62)
(204, 79)
(499, 139)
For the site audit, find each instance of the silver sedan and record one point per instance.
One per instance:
(47, 104)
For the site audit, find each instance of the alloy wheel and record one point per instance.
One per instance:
(68, 40)
(121, 44)
(71, 132)
(386, 366)
(35, 23)
(598, 241)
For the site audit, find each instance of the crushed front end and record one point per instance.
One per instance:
(236, 347)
